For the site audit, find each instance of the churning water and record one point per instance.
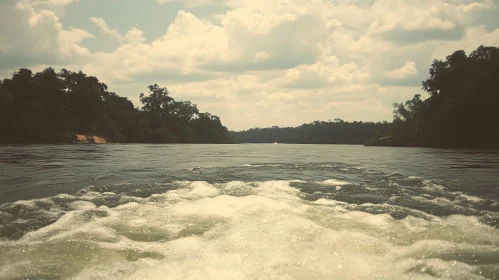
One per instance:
(247, 212)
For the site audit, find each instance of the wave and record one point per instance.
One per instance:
(290, 229)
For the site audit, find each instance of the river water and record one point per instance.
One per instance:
(247, 212)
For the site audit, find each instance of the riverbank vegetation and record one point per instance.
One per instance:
(317, 132)
(462, 110)
(50, 107)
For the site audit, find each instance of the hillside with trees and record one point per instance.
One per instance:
(317, 132)
(462, 110)
(47, 107)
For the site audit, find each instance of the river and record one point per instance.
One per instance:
(252, 211)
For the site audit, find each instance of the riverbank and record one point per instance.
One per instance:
(392, 141)
(88, 139)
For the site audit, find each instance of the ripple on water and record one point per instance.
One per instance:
(252, 230)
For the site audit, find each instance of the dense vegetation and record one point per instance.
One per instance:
(317, 132)
(462, 110)
(47, 107)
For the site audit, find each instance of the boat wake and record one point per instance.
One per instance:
(247, 230)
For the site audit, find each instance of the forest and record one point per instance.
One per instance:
(50, 107)
(317, 132)
(462, 110)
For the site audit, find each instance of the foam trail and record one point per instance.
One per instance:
(258, 230)
(335, 182)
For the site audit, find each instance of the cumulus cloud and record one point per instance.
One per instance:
(242, 43)
(195, 3)
(408, 70)
(259, 63)
(38, 37)
(473, 37)
(246, 100)
(406, 21)
(188, 43)
(325, 73)
(52, 2)
(104, 28)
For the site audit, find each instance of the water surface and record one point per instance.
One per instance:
(247, 212)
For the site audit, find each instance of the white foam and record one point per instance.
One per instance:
(201, 232)
(334, 182)
(65, 196)
(251, 165)
(469, 198)
(82, 205)
(430, 186)
(192, 191)
(328, 202)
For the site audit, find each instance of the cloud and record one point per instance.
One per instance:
(473, 38)
(408, 70)
(193, 46)
(188, 43)
(408, 22)
(270, 41)
(325, 73)
(36, 37)
(259, 62)
(194, 3)
(104, 28)
(52, 2)
(246, 100)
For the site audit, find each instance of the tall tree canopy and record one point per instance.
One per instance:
(46, 107)
(462, 109)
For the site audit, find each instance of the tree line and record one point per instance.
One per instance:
(317, 132)
(49, 107)
(462, 110)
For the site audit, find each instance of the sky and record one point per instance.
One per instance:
(253, 63)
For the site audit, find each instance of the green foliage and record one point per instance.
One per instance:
(46, 106)
(157, 102)
(318, 132)
(462, 109)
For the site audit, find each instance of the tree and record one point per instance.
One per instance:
(50, 107)
(157, 101)
(182, 112)
(317, 132)
(463, 104)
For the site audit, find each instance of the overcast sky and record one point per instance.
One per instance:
(254, 63)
